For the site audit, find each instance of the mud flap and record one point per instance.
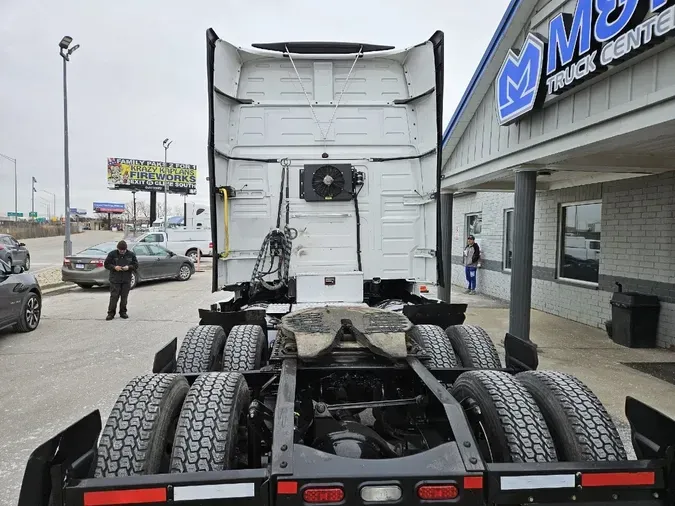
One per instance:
(72, 451)
(521, 354)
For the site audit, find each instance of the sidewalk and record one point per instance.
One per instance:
(586, 352)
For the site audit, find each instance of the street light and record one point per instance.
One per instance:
(54, 196)
(32, 197)
(166, 143)
(65, 54)
(16, 200)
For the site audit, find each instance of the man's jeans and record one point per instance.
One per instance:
(470, 276)
(118, 291)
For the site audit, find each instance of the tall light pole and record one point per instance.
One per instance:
(16, 199)
(65, 54)
(32, 198)
(166, 143)
(54, 197)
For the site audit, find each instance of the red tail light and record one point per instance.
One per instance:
(210, 245)
(66, 261)
(98, 263)
(323, 495)
(1, 247)
(437, 492)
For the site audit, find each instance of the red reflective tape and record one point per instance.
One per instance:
(473, 482)
(287, 487)
(114, 497)
(618, 479)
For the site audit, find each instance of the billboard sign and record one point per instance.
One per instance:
(109, 207)
(149, 175)
(78, 212)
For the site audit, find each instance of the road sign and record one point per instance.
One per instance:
(41, 220)
(32, 214)
(12, 214)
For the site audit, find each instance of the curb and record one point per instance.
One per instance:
(57, 289)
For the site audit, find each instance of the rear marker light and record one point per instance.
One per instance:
(437, 492)
(473, 482)
(424, 289)
(287, 487)
(323, 495)
(381, 493)
(118, 497)
(644, 478)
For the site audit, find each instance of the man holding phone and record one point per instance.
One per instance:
(121, 263)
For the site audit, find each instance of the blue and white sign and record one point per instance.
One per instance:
(600, 34)
(518, 85)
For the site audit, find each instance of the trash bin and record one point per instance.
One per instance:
(635, 318)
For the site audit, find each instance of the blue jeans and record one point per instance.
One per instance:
(470, 276)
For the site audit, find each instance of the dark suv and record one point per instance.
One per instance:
(14, 252)
(20, 298)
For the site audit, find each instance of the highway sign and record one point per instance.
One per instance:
(32, 214)
(12, 214)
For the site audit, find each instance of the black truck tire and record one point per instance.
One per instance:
(137, 436)
(580, 425)
(514, 427)
(210, 422)
(244, 348)
(201, 350)
(436, 343)
(473, 347)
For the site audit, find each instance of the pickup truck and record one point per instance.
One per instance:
(188, 242)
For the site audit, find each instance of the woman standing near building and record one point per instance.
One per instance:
(471, 263)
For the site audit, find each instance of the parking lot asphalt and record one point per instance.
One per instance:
(76, 362)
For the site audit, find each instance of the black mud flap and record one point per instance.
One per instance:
(72, 451)
(652, 433)
(227, 320)
(165, 359)
(521, 354)
(441, 314)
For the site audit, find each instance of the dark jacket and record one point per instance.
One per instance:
(114, 258)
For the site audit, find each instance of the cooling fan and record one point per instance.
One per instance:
(328, 182)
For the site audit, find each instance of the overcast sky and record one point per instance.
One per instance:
(140, 75)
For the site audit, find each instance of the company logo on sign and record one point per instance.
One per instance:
(599, 34)
(518, 82)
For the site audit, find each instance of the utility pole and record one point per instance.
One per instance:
(134, 194)
(166, 143)
(65, 54)
(16, 193)
(32, 198)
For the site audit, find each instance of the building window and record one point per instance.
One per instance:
(474, 224)
(508, 239)
(580, 242)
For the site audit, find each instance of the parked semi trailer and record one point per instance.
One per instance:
(326, 378)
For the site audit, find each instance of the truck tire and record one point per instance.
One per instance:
(436, 343)
(213, 414)
(201, 350)
(244, 348)
(137, 437)
(580, 425)
(473, 347)
(510, 420)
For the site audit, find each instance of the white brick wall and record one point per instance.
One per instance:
(637, 243)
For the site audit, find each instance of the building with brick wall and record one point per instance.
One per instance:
(560, 161)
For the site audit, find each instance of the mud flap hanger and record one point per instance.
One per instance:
(69, 455)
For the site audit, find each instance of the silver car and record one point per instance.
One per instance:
(86, 270)
(14, 252)
(20, 298)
